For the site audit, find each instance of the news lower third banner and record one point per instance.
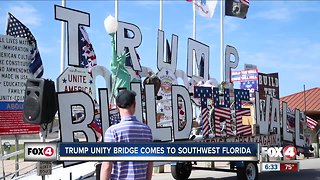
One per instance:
(158, 151)
(176, 151)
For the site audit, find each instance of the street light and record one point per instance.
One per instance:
(111, 24)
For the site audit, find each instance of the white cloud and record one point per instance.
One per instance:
(47, 50)
(284, 11)
(277, 14)
(230, 25)
(27, 14)
(296, 62)
(208, 26)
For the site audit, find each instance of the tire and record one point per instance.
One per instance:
(181, 171)
(248, 172)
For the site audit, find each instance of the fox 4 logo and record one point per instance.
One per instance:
(40, 151)
(288, 151)
(47, 151)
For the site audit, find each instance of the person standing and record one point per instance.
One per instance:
(128, 130)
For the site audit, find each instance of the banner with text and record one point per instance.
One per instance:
(14, 72)
(244, 75)
(159, 151)
(268, 84)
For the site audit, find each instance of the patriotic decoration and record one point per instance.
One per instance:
(222, 100)
(222, 121)
(311, 123)
(252, 86)
(240, 97)
(205, 121)
(181, 115)
(96, 124)
(243, 129)
(205, 8)
(114, 118)
(17, 29)
(203, 93)
(222, 113)
(244, 75)
(290, 119)
(86, 53)
(236, 8)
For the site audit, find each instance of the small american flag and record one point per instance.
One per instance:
(96, 124)
(86, 53)
(204, 93)
(17, 29)
(311, 123)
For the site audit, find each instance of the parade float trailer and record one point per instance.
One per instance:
(226, 114)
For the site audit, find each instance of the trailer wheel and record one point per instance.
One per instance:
(248, 172)
(181, 171)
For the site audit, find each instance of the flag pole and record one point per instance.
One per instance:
(222, 12)
(116, 14)
(116, 8)
(193, 53)
(194, 35)
(194, 22)
(161, 14)
(63, 42)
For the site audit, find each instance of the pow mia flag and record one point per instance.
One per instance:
(237, 8)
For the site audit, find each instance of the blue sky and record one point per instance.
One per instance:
(277, 36)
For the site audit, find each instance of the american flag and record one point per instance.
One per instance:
(96, 124)
(240, 97)
(204, 93)
(86, 53)
(114, 118)
(17, 29)
(311, 123)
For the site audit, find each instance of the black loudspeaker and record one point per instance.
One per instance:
(40, 102)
